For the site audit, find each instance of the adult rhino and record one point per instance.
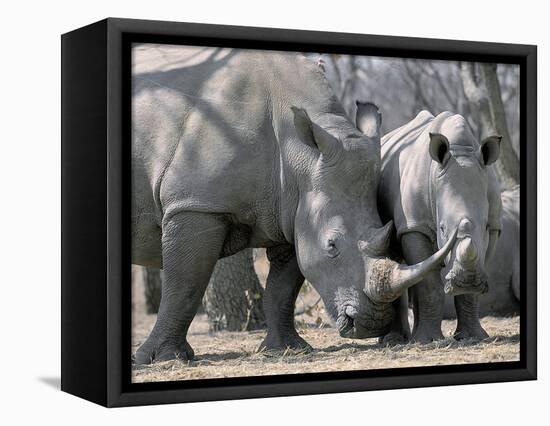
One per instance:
(236, 149)
(435, 177)
(503, 268)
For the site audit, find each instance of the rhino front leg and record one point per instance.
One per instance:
(427, 296)
(191, 245)
(400, 330)
(467, 315)
(283, 284)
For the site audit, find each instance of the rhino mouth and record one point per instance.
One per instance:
(346, 326)
(352, 326)
(459, 281)
(346, 323)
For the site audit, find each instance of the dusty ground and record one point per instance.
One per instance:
(232, 354)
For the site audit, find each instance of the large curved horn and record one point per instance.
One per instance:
(493, 238)
(387, 280)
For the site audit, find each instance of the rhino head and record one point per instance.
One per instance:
(464, 197)
(340, 242)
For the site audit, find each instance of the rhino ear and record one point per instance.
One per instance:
(490, 149)
(303, 124)
(313, 134)
(439, 148)
(368, 118)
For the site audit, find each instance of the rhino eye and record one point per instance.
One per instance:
(332, 250)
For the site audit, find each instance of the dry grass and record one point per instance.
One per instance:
(233, 354)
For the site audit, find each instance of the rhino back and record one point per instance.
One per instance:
(404, 180)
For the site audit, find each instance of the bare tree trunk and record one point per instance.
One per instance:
(233, 299)
(482, 89)
(508, 159)
(413, 80)
(152, 282)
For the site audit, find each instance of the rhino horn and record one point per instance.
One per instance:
(467, 253)
(378, 241)
(387, 279)
(493, 238)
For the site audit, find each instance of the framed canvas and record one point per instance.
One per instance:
(253, 212)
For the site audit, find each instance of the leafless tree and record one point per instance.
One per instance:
(152, 282)
(234, 297)
(482, 89)
(486, 95)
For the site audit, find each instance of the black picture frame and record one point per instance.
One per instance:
(95, 207)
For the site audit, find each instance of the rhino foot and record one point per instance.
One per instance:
(150, 352)
(465, 333)
(426, 335)
(281, 343)
(393, 338)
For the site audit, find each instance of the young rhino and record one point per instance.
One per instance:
(434, 178)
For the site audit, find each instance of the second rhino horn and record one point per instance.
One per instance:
(378, 241)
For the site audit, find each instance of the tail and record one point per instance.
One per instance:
(368, 119)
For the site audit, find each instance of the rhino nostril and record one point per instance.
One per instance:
(350, 311)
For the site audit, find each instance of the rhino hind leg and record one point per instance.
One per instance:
(467, 314)
(283, 284)
(188, 264)
(427, 296)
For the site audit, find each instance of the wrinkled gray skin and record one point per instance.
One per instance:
(236, 149)
(503, 268)
(434, 178)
